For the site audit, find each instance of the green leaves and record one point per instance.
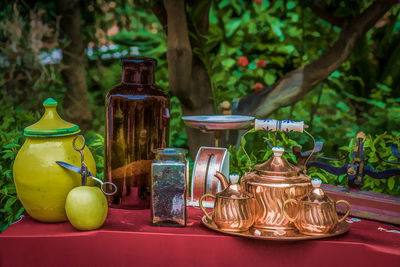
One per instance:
(391, 183)
(254, 143)
(11, 139)
(232, 27)
(228, 62)
(269, 78)
(256, 32)
(178, 137)
(277, 30)
(95, 143)
(343, 106)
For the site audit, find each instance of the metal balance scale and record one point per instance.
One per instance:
(209, 160)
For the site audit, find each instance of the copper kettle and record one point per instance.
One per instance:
(272, 183)
(316, 213)
(233, 208)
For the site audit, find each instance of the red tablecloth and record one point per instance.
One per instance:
(127, 239)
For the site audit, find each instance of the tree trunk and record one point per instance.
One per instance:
(76, 102)
(188, 77)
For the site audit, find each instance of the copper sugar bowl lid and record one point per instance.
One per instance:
(317, 195)
(277, 168)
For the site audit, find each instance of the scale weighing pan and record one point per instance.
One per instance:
(219, 122)
(212, 159)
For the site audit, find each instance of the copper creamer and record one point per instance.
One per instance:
(274, 182)
(233, 209)
(316, 212)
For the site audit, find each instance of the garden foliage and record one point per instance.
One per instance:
(254, 150)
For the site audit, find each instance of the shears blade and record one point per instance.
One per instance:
(71, 167)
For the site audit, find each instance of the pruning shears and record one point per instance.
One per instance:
(84, 171)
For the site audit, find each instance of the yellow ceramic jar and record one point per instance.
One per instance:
(42, 185)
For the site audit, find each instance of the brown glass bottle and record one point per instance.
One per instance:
(137, 121)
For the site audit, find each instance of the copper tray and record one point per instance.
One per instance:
(277, 234)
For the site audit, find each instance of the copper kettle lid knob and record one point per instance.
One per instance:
(277, 166)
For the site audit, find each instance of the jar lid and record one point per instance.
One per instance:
(317, 195)
(51, 124)
(277, 165)
(170, 151)
(136, 61)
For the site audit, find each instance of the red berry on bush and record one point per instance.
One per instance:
(257, 87)
(258, 2)
(243, 61)
(261, 63)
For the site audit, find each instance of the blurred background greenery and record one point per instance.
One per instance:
(251, 44)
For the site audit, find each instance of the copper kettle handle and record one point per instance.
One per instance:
(284, 210)
(202, 207)
(348, 210)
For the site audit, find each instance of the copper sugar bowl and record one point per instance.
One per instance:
(316, 213)
(272, 183)
(233, 208)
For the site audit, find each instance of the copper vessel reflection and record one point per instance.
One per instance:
(316, 213)
(233, 208)
(274, 182)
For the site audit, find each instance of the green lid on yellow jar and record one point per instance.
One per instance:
(51, 124)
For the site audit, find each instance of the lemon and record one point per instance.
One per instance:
(86, 207)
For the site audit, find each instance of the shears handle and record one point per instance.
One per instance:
(104, 186)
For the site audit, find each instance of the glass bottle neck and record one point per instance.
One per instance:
(137, 75)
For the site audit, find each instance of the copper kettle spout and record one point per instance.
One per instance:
(222, 179)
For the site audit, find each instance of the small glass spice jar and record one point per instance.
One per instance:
(168, 187)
